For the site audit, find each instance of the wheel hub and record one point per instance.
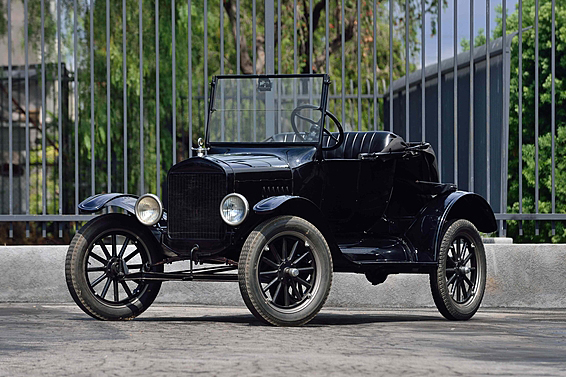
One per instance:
(114, 267)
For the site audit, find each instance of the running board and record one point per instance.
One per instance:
(204, 274)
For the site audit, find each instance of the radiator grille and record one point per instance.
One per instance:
(194, 205)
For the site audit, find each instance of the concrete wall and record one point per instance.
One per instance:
(518, 276)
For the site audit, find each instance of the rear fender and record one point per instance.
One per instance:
(301, 207)
(426, 231)
(97, 202)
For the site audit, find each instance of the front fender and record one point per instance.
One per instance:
(302, 207)
(97, 202)
(426, 231)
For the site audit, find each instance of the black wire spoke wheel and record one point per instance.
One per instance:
(285, 271)
(458, 284)
(110, 257)
(100, 256)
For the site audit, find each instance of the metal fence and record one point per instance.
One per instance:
(104, 96)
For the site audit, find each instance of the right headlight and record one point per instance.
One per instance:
(234, 209)
(148, 209)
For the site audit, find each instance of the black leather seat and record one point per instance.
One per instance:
(355, 142)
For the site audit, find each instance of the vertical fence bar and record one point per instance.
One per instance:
(279, 49)
(26, 47)
(439, 90)
(536, 116)
(423, 62)
(222, 119)
(407, 61)
(472, 122)
(391, 5)
(142, 138)
(190, 74)
(553, 109)
(75, 103)
(295, 37)
(327, 35)
(92, 180)
(505, 124)
(375, 109)
(311, 42)
(359, 6)
(108, 121)
(125, 94)
(343, 21)
(10, 125)
(205, 47)
(254, 59)
(238, 61)
(43, 121)
(488, 100)
(157, 105)
(60, 115)
(456, 92)
(520, 100)
(174, 79)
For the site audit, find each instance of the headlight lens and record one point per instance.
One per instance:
(234, 208)
(148, 209)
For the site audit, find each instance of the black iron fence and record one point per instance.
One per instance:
(104, 96)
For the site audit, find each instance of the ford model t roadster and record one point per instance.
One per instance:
(277, 201)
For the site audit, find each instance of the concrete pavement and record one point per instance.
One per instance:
(60, 340)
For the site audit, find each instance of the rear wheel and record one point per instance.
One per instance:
(101, 253)
(285, 271)
(458, 283)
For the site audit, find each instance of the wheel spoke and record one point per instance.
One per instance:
(303, 282)
(303, 269)
(132, 254)
(451, 280)
(104, 249)
(127, 289)
(467, 259)
(116, 293)
(299, 259)
(123, 249)
(275, 253)
(286, 293)
(96, 269)
(269, 262)
(274, 297)
(106, 286)
(97, 257)
(270, 284)
(267, 273)
(293, 249)
(113, 245)
(98, 280)
(472, 285)
(284, 249)
(296, 291)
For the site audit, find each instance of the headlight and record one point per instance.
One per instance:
(234, 208)
(148, 209)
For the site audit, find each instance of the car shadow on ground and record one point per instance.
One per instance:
(323, 319)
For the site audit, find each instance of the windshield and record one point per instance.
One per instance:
(266, 109)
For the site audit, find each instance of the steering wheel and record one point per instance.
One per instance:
(315, 127)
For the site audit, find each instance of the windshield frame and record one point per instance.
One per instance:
(323, 105)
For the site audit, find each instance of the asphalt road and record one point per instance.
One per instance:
(60, 340)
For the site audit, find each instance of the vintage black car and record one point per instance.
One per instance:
(277, 197)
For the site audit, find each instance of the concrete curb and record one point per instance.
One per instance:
(527, 276)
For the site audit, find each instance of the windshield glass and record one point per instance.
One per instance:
(266, 110)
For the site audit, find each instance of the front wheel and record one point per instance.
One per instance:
(458, 283)
(102, 252)
(285, 271)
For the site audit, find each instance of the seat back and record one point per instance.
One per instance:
(356, 142)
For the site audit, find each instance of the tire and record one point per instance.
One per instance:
(96, 262)
(285, 271)
(458, 284)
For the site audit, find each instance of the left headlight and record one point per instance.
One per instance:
(148, 209)
(234, 209)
